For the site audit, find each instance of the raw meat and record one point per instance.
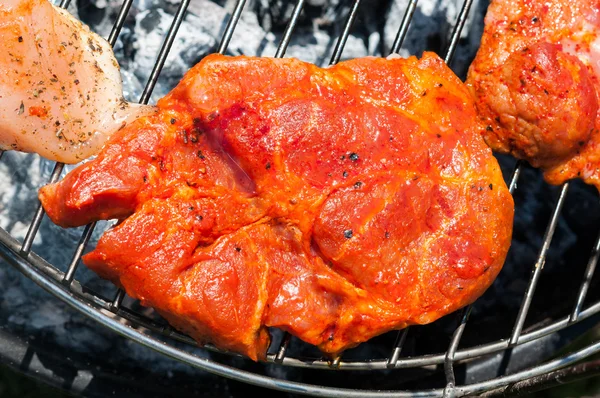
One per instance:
(336, 204)
(60, 86)
(535, 80)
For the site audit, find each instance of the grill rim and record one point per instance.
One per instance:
(65, 287)
(92, 312)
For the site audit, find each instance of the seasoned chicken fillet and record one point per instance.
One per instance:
(335, 204)
(535, 80)
(60, 86)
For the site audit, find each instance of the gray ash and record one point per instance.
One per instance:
(261, 28)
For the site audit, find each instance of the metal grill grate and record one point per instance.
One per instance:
(108, 311)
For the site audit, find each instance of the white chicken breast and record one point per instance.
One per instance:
(60, 86)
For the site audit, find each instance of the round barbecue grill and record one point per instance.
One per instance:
(485, 349)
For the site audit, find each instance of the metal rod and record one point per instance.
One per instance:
(287, 35)
(85, 237)
(339, 46)
(231, 24)
(539, 265)
(457, 335)
(408, 15)
(451, 352)
(335, 363)
(460, 23)
(6, 240)
(546, 381)
(587, 278)
(84, 307)
(515, 177)
(89, 229)
(116, 303)
(164, 51)
(120, 21)
(400, 36)
(400, 340)
(39, 214)
(285, 342)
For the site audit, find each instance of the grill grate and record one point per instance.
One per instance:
(108, 311)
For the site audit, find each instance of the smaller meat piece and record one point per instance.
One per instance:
(535, 81)
(335, 204)
(61, 94)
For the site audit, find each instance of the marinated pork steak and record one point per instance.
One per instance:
(535, 80)
(336, 204)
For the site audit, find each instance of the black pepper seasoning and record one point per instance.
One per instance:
(353, 157)
(348, 234)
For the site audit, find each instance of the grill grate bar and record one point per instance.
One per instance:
(335, 58)
(400, 36)
(400, 340)
(1, 153)
(83, 241)
(515, 177)
(408, 15)
(341, 43)
(585, 284)
(164, 51)
(115, 305)
(116, 29)
(460, 23)
(39, 214)
(285, 342)
(410, 362)
(451, 353)
(283, 44)
(449, 358)
(335, 364)
(464, 316)
(539, 265)
(287, 35)
(89, 229)
(119, 296)
(231, 25)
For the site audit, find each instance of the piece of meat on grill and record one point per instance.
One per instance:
(336, 204)
(60, 86)
(535, 80)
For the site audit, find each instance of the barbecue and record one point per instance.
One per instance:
(482, 348)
